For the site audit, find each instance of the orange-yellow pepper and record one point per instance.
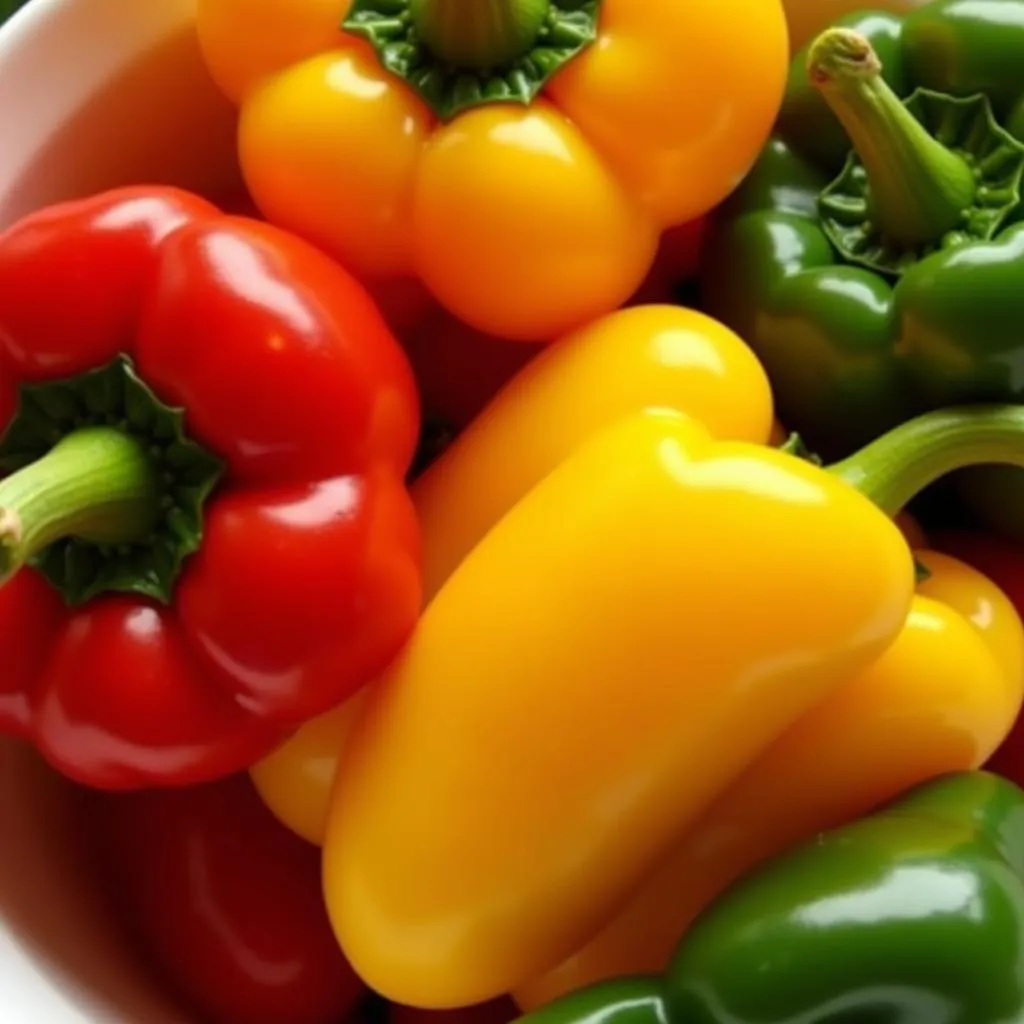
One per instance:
(606, 661)
(940, 699)
(640, 627)
(644, 356)
(528, 199)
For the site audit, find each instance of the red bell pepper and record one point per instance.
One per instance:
(223, 902)
(205, 536)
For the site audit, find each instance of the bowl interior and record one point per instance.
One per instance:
(108, 93)
(96, 95)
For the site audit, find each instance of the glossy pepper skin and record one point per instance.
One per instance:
(1003, 561)
(524, 218)
(530, 840)
(940, 699)
(851, 348)
(302, 577)
(914, 913)
(224, 900)
(806, 18)
(648, 356)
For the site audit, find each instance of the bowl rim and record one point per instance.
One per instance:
(27, 19)
(32, 989)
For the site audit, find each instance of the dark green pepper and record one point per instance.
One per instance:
(914, 915)
(874, 258)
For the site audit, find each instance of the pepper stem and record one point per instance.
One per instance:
(479, 34)
(96, 484)
(918, 189)
(900, 464)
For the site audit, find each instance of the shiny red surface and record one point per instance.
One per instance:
(308, 578)
(225, 901)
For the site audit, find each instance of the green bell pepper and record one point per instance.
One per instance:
(914, 915)
(874, 257)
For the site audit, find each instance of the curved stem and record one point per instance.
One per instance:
(479, 34)
(96, 484)
(899, 465)
(919, 190)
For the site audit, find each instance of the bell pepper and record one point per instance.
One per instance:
(1003, 561)
(223, 901)
(941, 699)
(518, 158)
(459, 369)
(644, 356)
(205, 535)
(611, 656)
(806, 18)
(912, 914)
(880, 281)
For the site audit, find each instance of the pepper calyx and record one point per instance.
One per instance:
(796, 446)
(967, 127)
(101, 489)
(455, 73)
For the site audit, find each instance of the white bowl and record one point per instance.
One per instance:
(96, 93)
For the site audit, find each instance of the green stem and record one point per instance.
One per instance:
(97, 484)
(899, 465)
(918, 188)
(479, 34)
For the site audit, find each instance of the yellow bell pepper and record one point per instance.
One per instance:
(940, 699)
(518, 157)
(612, 656)
(614, 652)
(644, 356)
